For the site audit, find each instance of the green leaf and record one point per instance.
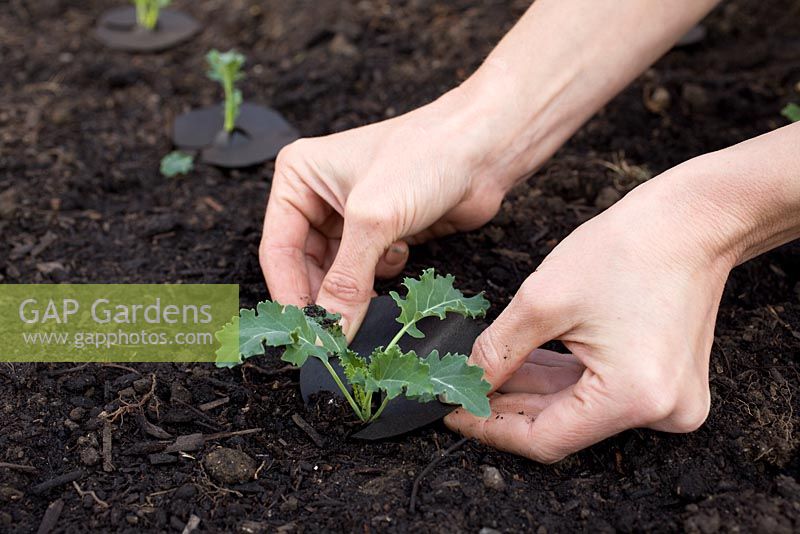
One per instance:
(459, 382)
(791, 112)
(175, 163)
(225, 66)
(228, 354)
(434, 295)
(274, 325)
(327, 327)
(355, 367)
(393, 371)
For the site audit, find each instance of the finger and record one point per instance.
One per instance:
(506, 431)
(536, 314)
(316, 248)
(551, 358)
(393, 260)
(320, 252)
(523, 403)
(282, 253)
(544, 372)
(581, 417)
(348, 285)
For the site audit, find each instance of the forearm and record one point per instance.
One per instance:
(562, 61)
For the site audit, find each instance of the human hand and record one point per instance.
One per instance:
(633, 294)
(343, 208)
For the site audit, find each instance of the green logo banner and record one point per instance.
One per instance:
(114, 322)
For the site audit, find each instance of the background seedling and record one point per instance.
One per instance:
(391, 371)
(791, 112)
(176, 163)
(147, 12)
(225, 68)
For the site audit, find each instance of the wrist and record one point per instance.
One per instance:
(686, 206)
(732, 204)
(504, 138)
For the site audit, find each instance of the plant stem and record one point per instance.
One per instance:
(346, 393)
(230, 120)
(368, 407)
(152, 18)
(141, 12)
(391, 344)
(380, 409)
(400, 334)
(147, 14)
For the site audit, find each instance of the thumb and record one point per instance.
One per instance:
(348, 286)
(536, 315)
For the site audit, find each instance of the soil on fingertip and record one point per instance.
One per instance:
(82, 131)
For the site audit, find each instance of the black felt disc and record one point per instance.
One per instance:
(260, 134)
(118, 29)
(401, 415)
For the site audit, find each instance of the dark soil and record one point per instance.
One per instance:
(82, 130)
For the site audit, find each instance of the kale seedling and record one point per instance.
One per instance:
(791, 112)
(176, 163)
(389, 370)
(147, 12)
(225, 68)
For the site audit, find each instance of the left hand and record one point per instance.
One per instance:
(633, 294)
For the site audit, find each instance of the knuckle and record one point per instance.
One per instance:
(344, 286)
(533, 296)
(547, 457)
(528, 290)
(268, 251)
(486, 437)
(364, 214)
(540, 450)
(290, 153)
(654, 397)
(486, 355)
(693, 414)
(486, 206)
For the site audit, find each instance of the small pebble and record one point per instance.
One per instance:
(77, 413)
(230, 466)
(89, 456)
(142, 385)
(179, 393)
(492, 478)
(658, 100)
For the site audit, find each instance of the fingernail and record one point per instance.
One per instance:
(397, 254)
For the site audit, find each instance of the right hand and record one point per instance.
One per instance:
(343, 208)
